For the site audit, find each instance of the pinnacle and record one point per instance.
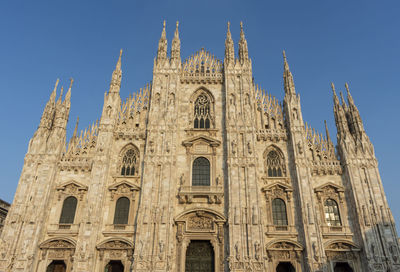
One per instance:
(163, 34)
(333, 88)
(118, 66)
(342, 99)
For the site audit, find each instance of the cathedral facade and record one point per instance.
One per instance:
(200, 170)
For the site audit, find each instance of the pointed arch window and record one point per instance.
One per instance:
(274, 164)
(121, 214)
(201, 172)
(279, 212)
(68, 210)
(332, 215)
(129, 163)
(202, 112)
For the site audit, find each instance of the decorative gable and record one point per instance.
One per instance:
(123, 188)
(201, 145)
(72, 188)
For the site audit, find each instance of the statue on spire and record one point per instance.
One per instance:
(287, 77)
(243, 50)
(176, 45)
(229, 47)
(162, 45)
(115, 84)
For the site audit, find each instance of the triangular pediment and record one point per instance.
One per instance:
(329, 185)
(201, 139)
(278, 185)
(284, 245)
(115, 244)
(123, 185)
(72, 185)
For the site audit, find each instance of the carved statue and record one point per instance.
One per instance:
(237, 253)
(182, 180)
(257, 250)
(161, 249)
(218, 180)
(249, 148)
(299, 148)
(233, 144)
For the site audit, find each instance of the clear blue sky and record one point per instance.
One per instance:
(341, 41)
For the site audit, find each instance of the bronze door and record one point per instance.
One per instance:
(199, 257)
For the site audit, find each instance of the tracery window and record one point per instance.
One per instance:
(202, 112)
(332, 216)
(201, 172)
(68, 210)
(121, 214)
(129, 163)
(279, 212)
(274, 164)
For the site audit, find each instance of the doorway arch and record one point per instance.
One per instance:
(342, 267)
(57, 266)
(199, 256)
(114, 266)
(285, 267)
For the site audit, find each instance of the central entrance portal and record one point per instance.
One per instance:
(199, 257)
(343, 267)
(285, 267)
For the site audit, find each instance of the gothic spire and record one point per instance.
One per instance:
(349, 97)
(54, 93)
(115, 84)
(354, 114)
(176, 45)
(60, 97)
(335, 98)
(328, 137)
(287, 77)
(162, 45)
(76, 128)
(68, 95)
(344, 104)
(48, 112)
(243, 50)
(229, 46)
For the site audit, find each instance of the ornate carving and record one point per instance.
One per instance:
(72, 188)
(123, 188)
(202, 66)
(200, 223)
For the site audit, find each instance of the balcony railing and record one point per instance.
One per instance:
(63, 228)
(189, 194)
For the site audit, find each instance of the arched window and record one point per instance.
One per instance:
(129, 163)
(202, 112)
(332, 215)
(201, 172)
(68, 210)
(121, 214)
(279, 212)
(274, 164)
